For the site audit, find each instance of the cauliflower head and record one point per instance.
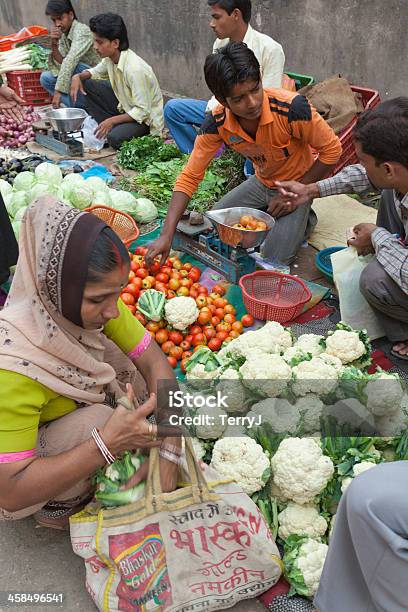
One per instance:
(384, 394)
(181, 312)
(358, 468)
(200, 374)
(212, 423)
(272, 338)
(310, 561)
(314, 376)
(311, 409)
(301, 520)
(310, 343)
(345, 345)
(242, 460)
(279, 413)
(231, 387)
(266, 374)
(333, 361)
(300, 469)
(352, 413)
(391, 424)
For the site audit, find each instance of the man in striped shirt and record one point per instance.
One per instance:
(381, 138)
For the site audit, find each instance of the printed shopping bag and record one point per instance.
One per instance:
(204, 546)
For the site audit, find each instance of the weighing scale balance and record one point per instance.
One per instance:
(61, 132)
(215, 243)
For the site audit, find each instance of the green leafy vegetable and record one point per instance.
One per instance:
(151, 303)
(139, 153)
(110, 480)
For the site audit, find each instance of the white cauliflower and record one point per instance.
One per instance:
(384, 394)
(358, 468)
(310, 343)
(294, 355)
(277, 494)
(391, 424)
(181, 312)
(346, 345)
(314, 376)
(301, 520)
(311, 409)
(271, 338)
(242, 460)
(310, 561)
(200, 374)
(279, 413)
(266, 374)
(351, 412)
(212, 423)
(300, 469)
(332, 361)
(231, 387)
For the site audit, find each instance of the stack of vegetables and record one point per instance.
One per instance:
(28, 57)
(177, 310)
(319, 420)
(72, 189)
(14, 134)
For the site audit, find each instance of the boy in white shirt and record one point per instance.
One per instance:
(230, 22)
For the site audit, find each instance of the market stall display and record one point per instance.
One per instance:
(13, 134)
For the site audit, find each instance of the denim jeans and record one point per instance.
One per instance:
(182, 116)
(48, 81)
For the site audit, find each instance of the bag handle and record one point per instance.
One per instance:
(199, 486)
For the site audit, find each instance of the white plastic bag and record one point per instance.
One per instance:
(90, 140)
(354, 308)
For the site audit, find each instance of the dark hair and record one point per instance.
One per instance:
(59, 7)
(383, 131)
(108, 253)
(245, 6)
(112, 27)
(232, 64)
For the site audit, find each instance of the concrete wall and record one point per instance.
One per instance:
(364, 40)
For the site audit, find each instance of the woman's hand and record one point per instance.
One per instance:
(129, 429)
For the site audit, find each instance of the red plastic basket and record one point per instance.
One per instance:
(121, 223)
(271, 296)
(370, 99)
(26, 84)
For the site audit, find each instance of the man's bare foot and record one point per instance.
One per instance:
(400, 350)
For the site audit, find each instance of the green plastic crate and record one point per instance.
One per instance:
(301, 80)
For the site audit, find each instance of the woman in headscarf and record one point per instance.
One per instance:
(68, 350)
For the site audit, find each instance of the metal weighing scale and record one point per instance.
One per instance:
(218, 245)
(61, 131)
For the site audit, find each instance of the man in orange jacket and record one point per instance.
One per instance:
(276, 130)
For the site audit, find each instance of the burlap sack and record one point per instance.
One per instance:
(204, 546)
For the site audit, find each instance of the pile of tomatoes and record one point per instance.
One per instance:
(216, 323)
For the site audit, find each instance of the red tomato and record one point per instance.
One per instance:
(237, 326)
(184, 273)
(219, 312)
(212, 309)
(134, 266)
(220, 302)
(151, 279)
(141, 318)
(215, 320)
(162, 324)
(161, 287)
(131, 308)
(142, 273)
(185, 345)
(209, 332)
(128, 299)
(146, 284)
(214, 296)
(222, 335)
(219, 289)
(153, 327)
(132, 276)
(204, 317)
(189, 338)
(223, 326)
(176, 274)
(194, 274)
(215, 344)
(167, 346)
(176, 337)
(141, 250)
(199, 339)
(162, 336)
(174, 284)
(230, 309)
(183, 292)
(203, 291)
(177, 265)
(187, 354)
(183, 365)
(137, 282)
(176, 352)
(196, 286)
(162, 278)
(170, 294)
(172, 362)
(168, 263)
(201, 301)
(229, 318)
(166, 270)
(234, 334)
(187, 266)
(131, 288)
(186, 282)
(154, 268)
(195, 329)
(193, 293)
(247, 320)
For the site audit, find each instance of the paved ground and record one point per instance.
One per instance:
(41, 560)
